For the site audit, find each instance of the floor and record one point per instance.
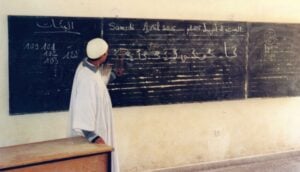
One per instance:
(280, 162)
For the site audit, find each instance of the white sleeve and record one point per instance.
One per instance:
(84, 106)
(105, 74)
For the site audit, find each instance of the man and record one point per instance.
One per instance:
(90, 106)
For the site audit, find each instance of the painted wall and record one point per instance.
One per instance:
(153, 137)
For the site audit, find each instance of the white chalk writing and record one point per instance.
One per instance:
(214, 28)
(147, 27)
(37, 46)
(115, 26)
(270, 43)
(151, 27)
(48, 51)
(57, 26)
(172, 54)
(71, 53)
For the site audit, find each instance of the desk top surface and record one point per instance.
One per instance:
(26, 154)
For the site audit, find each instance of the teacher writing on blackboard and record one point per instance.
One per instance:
(90, 105)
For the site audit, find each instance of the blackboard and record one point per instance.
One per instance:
(43, 55)
(274, 60)
(157, 61)
(170, 61)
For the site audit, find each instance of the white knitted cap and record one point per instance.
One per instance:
(96, 48)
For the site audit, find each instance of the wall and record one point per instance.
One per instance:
(154, 137)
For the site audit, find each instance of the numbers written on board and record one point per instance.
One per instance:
(49, 52)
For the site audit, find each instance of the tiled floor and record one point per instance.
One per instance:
(281, 162)
(281, 165)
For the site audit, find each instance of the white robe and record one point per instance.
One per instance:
(91, 107)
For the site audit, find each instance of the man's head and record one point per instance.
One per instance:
(96, 50)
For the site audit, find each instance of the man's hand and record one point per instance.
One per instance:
(106, 69)
(99, 140)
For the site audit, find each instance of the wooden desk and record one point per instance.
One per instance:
(74, 154)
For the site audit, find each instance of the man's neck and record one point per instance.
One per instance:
(94, 62)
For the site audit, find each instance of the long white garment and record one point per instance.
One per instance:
(91, 107)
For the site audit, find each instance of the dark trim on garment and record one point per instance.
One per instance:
(87, 64)
(90, 135)
(93, 68)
